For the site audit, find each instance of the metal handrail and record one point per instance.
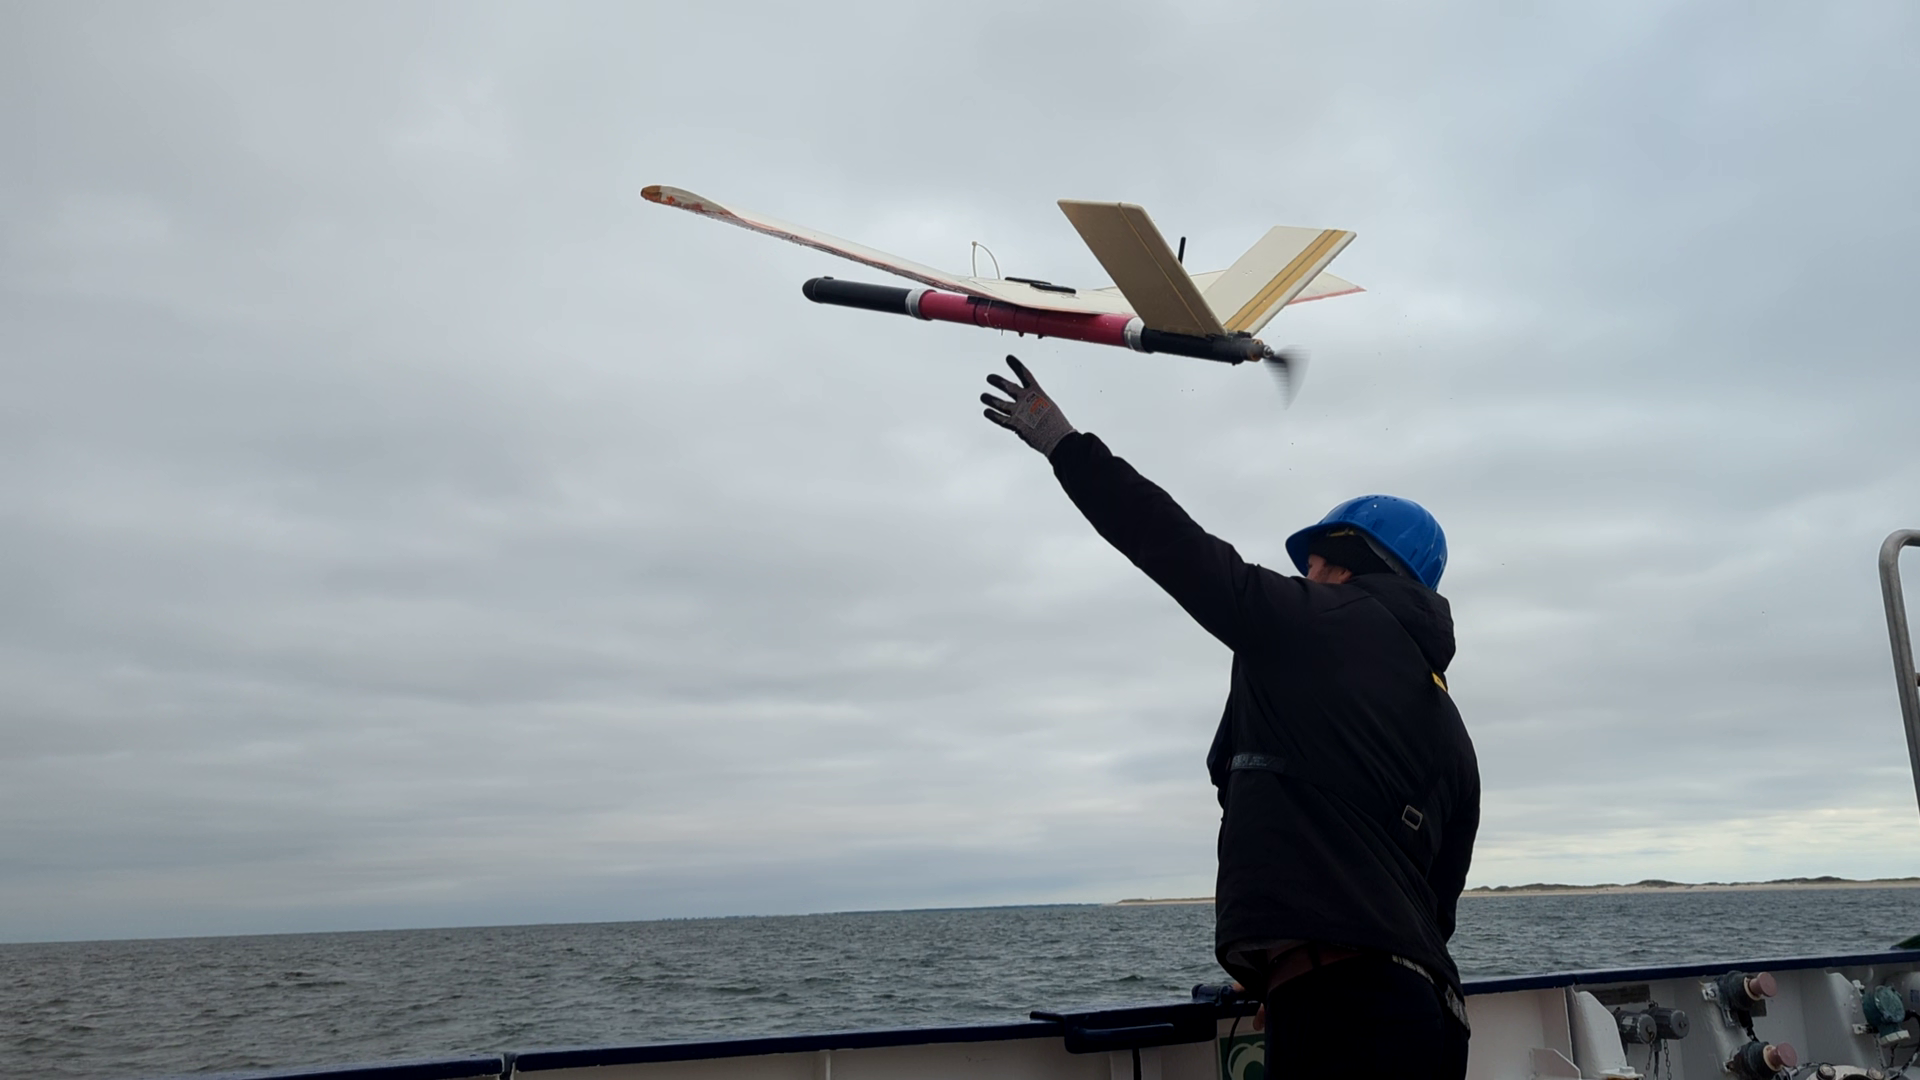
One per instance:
(1902, 642)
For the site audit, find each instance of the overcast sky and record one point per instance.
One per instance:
(405, 524)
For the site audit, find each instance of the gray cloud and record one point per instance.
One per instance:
(406, 525)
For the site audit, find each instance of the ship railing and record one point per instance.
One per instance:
(1902, 639)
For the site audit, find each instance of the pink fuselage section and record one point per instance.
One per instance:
(999, 315)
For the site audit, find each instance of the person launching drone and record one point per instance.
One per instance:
(1349, 790)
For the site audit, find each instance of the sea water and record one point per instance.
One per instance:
(150, 1008)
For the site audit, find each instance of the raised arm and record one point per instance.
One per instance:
(1202, 573)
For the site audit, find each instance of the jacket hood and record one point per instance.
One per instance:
(1423, 613)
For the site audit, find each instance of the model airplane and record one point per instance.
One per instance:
(1153, 306)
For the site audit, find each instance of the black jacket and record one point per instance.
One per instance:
(1339, 737)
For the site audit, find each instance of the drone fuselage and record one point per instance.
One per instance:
(1126, 331)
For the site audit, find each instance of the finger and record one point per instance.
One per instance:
(1003, 386)
(1020, 369)
(992, 402)
(998, 419)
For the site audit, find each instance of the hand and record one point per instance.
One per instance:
(1260, 1014)
(1031, 414)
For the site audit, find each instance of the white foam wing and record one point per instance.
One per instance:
(1142, 266)
(1098, 302)
(1275, 270)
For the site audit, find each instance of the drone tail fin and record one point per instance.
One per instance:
(1285, 266)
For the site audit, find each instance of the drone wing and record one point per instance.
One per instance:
(1014, 292)
(1143, 267)
(846, 249)
(1285, 265)
(1049, 297)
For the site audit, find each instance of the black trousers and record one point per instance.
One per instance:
(1367, 1016)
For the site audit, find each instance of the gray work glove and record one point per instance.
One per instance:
(1031, 414)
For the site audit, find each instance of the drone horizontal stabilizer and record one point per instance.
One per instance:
(1272, 273)
(1324, 286)
(1143, 267)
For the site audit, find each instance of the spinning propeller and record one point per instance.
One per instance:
(1289, 370)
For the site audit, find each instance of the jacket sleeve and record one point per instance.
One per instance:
(1448, 875)
(1202, 573)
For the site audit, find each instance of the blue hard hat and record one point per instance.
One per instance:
(1400, 530)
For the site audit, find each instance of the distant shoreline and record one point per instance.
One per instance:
(1655, 885)
(1651, 885)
